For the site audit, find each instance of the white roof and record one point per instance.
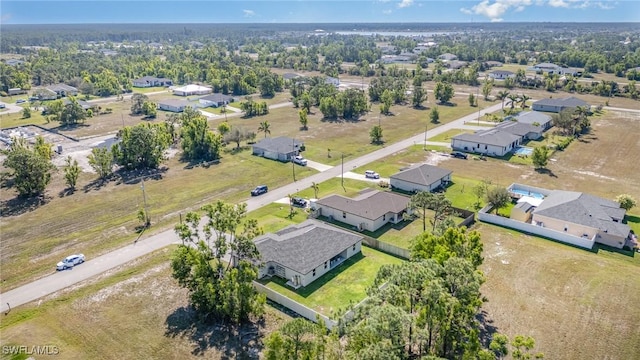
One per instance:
(192, 88)
(531, 200)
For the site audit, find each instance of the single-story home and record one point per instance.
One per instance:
(525, 131)
(368, 211)
(331, 80)
(423, 177)
(448, 57)
(291, 76)
(493, 142)
(281, 148)
(14, 62)
(501, 74)
(151, 81)
(173, 105)
(63, 90)
(557, 105)
(583, 215)
(216, 100)
(44, 94)
(302, 253)
(534, 117)
(192, 89)
(16, 91)
(390, 59)
(456, 64)
(550, 68)
(85, 105)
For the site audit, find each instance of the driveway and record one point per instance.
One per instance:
(58, 281)
(10, 108)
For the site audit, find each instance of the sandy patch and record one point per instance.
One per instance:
(591, 173)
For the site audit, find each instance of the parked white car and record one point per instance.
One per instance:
(70, 261)
(370, 174)
(300, 160)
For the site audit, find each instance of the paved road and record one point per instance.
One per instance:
(60, 280)
(622, 109)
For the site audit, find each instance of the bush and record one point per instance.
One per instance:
(383, 184)
(564, 143)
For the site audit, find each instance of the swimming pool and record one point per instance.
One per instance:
(527, 193)
(522, 150)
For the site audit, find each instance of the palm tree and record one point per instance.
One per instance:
(315, 188)
(502, 95)
(582, 114)
(264, 127)
(523, 101)
(513, 100)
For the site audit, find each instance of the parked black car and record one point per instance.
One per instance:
(299, 202)
(459, 155)
(259, 190)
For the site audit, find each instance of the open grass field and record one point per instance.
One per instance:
(575, 303)
(130, 313)
(274, 217)
(346, 284)
(97, 218)
(149, 89)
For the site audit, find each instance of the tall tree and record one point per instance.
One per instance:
(71, 172)
(30, 170)
(498, 197)
(149, 109)
(626, 201)
(443, 92)
(513, 100)
(304, 120)
(487, 86)
(502, 95)
(72, 112)
(376, 134)
(419, 96)
(219, 290)
(141, 146)
(137, 103)
(434, 115)
(454, 242)
(198, 141)
(540, 157)
(265, 128)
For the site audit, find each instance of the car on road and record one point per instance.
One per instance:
(299, 202)
(259, 190)
(300, 160)
(2, 106)
(70, 261)
(20, 101)
(459, 155)
(370, 174)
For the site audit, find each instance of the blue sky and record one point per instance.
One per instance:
(314, 11)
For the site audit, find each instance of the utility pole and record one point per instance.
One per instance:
(478, 104)
(342, 172)
(293, 164)
(122, 116)
(147, 221)
(426, 127)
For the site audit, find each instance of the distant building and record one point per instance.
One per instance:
(280, 148)
(63, 90)
(216, 100)
(423, 177)
(192, 90)
(501, 74)
(151, 81)
(557, 105)
(173, 105)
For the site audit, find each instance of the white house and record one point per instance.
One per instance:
(501, 74)
(304, 252)
(368, 211)
(151, 81)
(333, 81)
(423, 177)
(191, 89)
(492, 142)
(173, 105)
(63, 90)
(215, 100)
(281, 148)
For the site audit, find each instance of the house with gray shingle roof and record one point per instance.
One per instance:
(216, 100)
(368, 211)
(151, 81)
(525, 131)
(583, 215)
(534, 117)
(423, 177)
(63, 90)
(501, 74)
(280, 148)
(557, 105)
(491, 142)
(304, 252)
(173, 105)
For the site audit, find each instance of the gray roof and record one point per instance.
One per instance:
(304, 247)
(447, 56)
(565, 102)
(174, 102)
(524, 206)
(217, 97)
(423, 174)
(584, 209)
(61, 87)
(531, 117)
(370, 205)
(517, 128)
(503, 72)
(290, 76)
(281, 144)
(490, 137)
(546, 66)
(85, 105)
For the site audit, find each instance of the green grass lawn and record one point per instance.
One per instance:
(447, 135)
(274, 217)
(332, 293)
(149, 89)
(352, 188)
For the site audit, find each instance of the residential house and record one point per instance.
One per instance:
(151, 81)
(16, 91)
(525, 131)
(551, 69)
(447, 57)
(173, 105)
(192, 89)
(423, 177)
(14, 62)
(368, 211)
(290, 76)
(44, 94)
(583, 215)
(85, 105)
(456, 64)
(390, 59)
(492, 63)
(492, 142)
(216, 100)
(534, 117)
(280, 148)
(557, 105)
(63, 90)
(501, 74)
(333, 81)
(302, 253)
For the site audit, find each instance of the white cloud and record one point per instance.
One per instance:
(558, 3)
(405, 3)
(494, 10)
(581, 4)
(249, 13)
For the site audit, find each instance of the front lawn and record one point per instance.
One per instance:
(332, 293)
(275, 217)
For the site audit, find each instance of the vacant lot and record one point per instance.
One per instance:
(576, 304)
(336, 290)
(131, 313)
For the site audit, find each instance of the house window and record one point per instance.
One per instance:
(344, 215)
(565, 228)
(485, 147)
(354, 247)
(314, 272)
(384, 217)
(325, 264)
